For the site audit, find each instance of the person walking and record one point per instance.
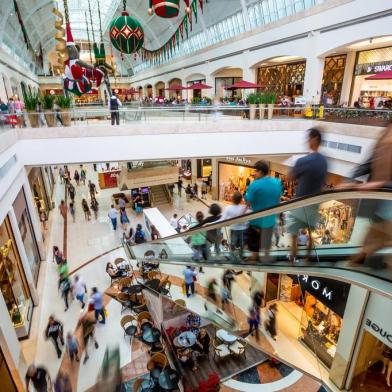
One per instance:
(87, 323)
(310, 173)
(72, 347)
(86, 210)
(54, 332)
(263, 192)
(66, 290)
(72, 211)
(124, 220)
(114, 104)
(97, 301)
(179, 186)
(79, 290)
(254, 321)
(39, 377)
(189, 278)
(204, 187)
(61, 174)
(95, 207)
(174, 223)
(63, 209)
(83, 175)
(199, 240)
(71, 192)
(92, 189)
(112, 214)
(196, 190)
(77, 177)
(270, 324)
(57, 255)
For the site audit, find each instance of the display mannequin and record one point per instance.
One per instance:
(387, 354)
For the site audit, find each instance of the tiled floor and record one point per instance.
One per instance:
(88, 239)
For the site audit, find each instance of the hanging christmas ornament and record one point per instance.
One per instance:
(167, 8)
(126, 33)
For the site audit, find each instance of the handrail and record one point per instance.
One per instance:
(343, 194)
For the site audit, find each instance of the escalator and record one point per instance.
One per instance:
(344, 220)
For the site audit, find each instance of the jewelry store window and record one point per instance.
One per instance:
(13, 283)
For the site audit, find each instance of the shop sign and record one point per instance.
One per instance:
(239, 160)
(330, 292)
(384, 334)
(373, 68)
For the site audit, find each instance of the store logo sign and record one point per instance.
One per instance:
(239, 160)
(382, 332)
(317, 286)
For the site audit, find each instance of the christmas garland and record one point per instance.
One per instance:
(166, 51)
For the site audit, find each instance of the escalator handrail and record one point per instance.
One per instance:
(292, 204)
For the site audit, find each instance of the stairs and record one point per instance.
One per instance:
(159, 195)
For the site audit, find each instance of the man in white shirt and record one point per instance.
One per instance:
(173, 222)
(113, 105)
(79, 290)
(112, 214)
(238, 230)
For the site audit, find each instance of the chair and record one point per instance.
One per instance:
(127, 325)
(140, 308)
(165, 287)
(221, 351)
(144, 316)
(157, 360)
(180, 305)
(238, 348)
(137, 384)
(118, 261)
(124, 282)
(152, 275)
(124, 300)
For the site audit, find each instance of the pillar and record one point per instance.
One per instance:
(211, 93)
(348, 78)
(249, 74)
(215, 179)
(167, 92)
(355, 308)
(313, 79)
(194, 169)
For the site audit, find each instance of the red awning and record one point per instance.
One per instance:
(380, 76)
(243, 85)
(175, 87)
(199, 86)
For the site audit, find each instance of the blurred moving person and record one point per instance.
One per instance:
(40, 379)
(310, 173)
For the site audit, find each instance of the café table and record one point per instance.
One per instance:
(153, 284)
(168, 379)
(226, 337)
(186, 339)
(151, 335)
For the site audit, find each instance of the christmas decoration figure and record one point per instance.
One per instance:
(126, 33)
(78, 74)
(167, 8)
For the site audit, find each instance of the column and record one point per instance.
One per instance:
(167, 92)
(248, 74)
(211, 93)
(194, 169)
(313, 79)
(348, 78)
(355, 307)
(215, 179)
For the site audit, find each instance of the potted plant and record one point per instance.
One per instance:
(196, 100)
(262, 103)
(31, 100)
(64, 102)
(253, 100)
(47, 103)
(270, 100)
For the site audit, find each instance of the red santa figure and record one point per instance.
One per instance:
(77, 74)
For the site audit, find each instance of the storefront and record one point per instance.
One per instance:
(319, 304)
(7, 383)
(373, 365)
(91, 97)
(42, 199)
(283, 79)
(204, 168)
(49, 180)
(372, 94)
(333, 74)
(13, 282)
(27, 232)
(222, 82)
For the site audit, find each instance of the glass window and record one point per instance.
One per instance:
(12, 280)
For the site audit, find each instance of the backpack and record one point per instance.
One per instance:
(139, 237)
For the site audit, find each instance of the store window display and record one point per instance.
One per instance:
(233, 178)
(12, 280)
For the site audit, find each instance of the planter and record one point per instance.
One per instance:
(270, 110)
(50, 118)
(33, 119)
(252, 112)
(66, 117)
(261, 110)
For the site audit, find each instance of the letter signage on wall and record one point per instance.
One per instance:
(331, 293)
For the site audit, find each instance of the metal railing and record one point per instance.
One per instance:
(132, 114)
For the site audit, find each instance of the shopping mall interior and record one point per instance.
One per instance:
(211, 206)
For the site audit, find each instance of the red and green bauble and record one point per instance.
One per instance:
(166, 8)
(126, 33)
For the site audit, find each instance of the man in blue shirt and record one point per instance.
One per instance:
(263, 192)
(97, 300)
(189, 278)
(310, 173)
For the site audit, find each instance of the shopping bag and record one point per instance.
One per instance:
(183, 288)
(105, 312)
